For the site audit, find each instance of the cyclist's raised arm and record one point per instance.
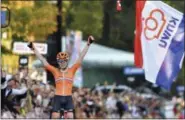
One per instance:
(84, 51)
(47, 66)
(39, 56)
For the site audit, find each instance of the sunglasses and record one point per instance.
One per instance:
(61, 61)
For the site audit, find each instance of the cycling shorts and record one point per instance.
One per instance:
(63, 103)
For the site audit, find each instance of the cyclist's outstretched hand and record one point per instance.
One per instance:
(39, 56)
(90, 39)
(30, 45)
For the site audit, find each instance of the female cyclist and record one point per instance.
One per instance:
(63, 79)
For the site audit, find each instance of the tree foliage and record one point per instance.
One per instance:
(4, 50)
(35, 21)
(87, 17)
(39, 20)
(177, 4)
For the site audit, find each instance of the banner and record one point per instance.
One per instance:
(159, 41)
(74, 39)
(133, 71)
(22, 48)
(3, 17)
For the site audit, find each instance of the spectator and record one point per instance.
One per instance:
(11, 90)
(33, 99)
(111, 105)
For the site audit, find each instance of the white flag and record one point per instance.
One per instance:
(159, 41)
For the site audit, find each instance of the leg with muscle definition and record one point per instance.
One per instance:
(55, 115)
(70, 115)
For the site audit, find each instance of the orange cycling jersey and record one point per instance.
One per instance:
(63, 80)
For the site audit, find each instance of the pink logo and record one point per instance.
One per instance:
(154, 24)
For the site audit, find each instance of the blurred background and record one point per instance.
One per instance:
(107, 85)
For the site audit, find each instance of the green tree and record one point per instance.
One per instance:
(37, 21)
(87, 17)
(121, 25)
(43, 22)
(177, 4)
(5, 51)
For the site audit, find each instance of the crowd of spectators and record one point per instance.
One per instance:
(28, 98)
